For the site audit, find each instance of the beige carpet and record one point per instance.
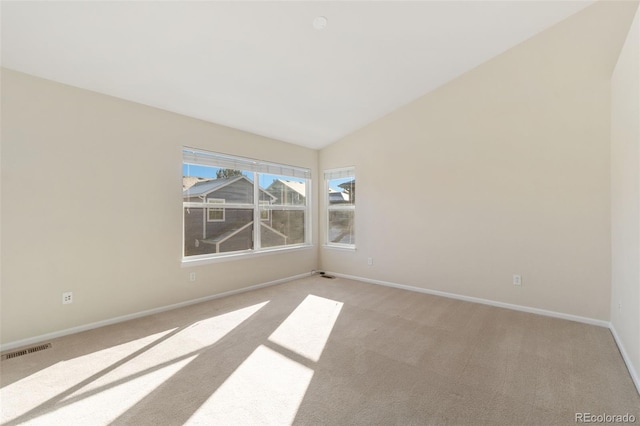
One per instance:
(319, 351)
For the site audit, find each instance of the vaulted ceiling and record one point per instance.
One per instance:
(262, 66)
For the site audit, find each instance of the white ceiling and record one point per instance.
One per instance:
(261, 66)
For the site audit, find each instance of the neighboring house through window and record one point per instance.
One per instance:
(340, 190)
(251, 214)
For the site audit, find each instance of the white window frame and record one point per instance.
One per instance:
(257, 167)
(216, 209)
(331, 174)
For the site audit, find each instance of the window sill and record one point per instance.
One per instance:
(339, 247)
(249, 254)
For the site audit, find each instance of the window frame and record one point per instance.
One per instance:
(257, 168)
(329, 175)
(216, 209)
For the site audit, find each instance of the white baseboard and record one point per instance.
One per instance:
(91, 326)
(528, 309)
(625, 357)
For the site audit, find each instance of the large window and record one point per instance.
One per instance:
(340, 185)
(259, 206)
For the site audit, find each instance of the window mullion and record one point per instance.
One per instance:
(256, 211)
(307, 209)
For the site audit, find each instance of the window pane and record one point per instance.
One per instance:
(204, 183)
(202, 236)
(215, 215)
(284, 228)
(283, 190)
(341, 226)
(342, 191)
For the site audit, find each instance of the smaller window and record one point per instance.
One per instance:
(265, 214)
(340, 186)
(215, 215)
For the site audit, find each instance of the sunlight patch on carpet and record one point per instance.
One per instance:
(267, 388)
(201, 334)
(107, 405)
(49, 382)
(116, 377)
(185, 343)
(307, 329)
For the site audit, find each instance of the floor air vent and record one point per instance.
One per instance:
(26, 351)
(323, 274)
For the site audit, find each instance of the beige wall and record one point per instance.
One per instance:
(91, 203)
(625, 196)
(503, 171)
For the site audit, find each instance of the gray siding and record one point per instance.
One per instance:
(201, 235)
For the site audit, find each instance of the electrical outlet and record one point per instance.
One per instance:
(517, 280)
(192, 276)
(369, 261)
(67, 297)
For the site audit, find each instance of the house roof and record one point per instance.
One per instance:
(338, 197)
(223, 61)
(299, 187)
(208, 186)
(348, 184)
(189, 181)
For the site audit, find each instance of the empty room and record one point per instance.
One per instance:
(182, 241)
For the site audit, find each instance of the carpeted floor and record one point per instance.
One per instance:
(319, 351)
